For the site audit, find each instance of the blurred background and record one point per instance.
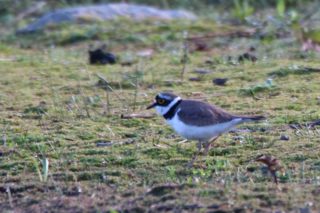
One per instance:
(271, 17)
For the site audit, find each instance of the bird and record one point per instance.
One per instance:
(197, 120)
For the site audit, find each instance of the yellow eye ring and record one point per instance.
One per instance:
(161, 101)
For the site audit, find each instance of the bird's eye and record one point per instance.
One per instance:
(161, 101)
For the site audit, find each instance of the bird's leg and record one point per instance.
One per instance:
(194, 158)
(207, 145)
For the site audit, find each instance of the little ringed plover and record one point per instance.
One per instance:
(197, 120)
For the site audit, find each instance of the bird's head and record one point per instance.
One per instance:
(163, 102)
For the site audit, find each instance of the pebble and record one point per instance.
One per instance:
(220, 81)
(284, 137)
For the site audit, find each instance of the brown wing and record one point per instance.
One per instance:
(202, 114)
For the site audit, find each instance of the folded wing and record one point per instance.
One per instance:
(202, 114)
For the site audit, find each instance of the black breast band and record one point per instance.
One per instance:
(172, 111)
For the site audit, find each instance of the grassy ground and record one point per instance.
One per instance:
(52, 109)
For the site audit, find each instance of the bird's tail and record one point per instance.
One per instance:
(247, 118)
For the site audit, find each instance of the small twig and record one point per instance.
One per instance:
(4, 136)
(136, 93)
(185, 54)
(183, 141)
(109, 87)
(85, 103)
(108, 102)
(135, 115)
(160, 146)
(8, 59)
(104, 143)
(137, 78)
(165, 187)
(110, 130)
(111, 143)
(9, 196)
(86, 108)
(45, 169)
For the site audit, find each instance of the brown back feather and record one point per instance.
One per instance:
(202, 114)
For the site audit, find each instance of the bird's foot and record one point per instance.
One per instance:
(195, 156)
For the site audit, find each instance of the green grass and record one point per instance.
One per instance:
(52, 108)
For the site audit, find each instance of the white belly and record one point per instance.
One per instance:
(203, 133)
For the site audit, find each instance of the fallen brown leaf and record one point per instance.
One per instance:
(272, 163)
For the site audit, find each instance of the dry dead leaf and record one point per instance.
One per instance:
(272, 163)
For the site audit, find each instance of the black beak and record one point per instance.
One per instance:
(152, 105)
